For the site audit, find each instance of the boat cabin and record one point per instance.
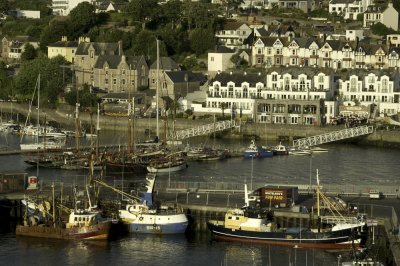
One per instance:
(84, 218)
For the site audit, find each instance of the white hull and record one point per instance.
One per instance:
(39, 146)
(154, 169)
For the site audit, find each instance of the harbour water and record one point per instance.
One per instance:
(343, 164)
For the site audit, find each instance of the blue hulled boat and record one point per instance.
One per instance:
(254, 151)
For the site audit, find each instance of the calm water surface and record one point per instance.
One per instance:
(343, 164)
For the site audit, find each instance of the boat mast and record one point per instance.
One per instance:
(158, 81)
(318, 203)
(77, 131)
(98, 130)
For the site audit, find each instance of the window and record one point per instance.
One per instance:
(106, 81)
(212, 59)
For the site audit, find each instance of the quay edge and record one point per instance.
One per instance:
(385, 138)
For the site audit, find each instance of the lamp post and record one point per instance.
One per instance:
(251, 174)
(309, 187)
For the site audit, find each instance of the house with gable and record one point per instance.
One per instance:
(388, 16)
(120, 73)
(13, 47)
(394, 57)
(165, 64)
(268, 51)
(177, 84)
(104, 66)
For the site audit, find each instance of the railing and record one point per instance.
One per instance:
(332, 136)
(202, 130)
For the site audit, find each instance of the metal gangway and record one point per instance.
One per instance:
(202, 130)
(347, 133)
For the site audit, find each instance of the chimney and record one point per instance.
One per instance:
(119, 48)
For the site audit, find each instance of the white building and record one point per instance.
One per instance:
(367, 87)
(33, 14)
(220, 60)
(63, 7)
(388, 16)
(349, 9)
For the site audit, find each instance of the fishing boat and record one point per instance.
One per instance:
(141, 216)
(254, 151)
(251, 225)
(82, 223)
(280, 149)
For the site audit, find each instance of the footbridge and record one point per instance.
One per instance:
(332, 136)
(203, 130)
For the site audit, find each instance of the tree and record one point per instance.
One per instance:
(4, 6)
(382, 30)
(6, 84)
(51, 74)
(86, 98)
(29, 52)
(82, 18)
(53, 33)
(201, 40)
(142, 11)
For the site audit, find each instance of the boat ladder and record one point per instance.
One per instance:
(347, 133)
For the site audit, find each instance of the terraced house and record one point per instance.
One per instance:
(335, 54)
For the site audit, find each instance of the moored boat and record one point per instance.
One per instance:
(82, 224)
(255, 226)
(280, 149)
(141, 216)
(254, 151)
(170, 163)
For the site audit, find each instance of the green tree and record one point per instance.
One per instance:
(223, 106)
(6, 84)
(201, 40)
(171, 12)
(29, 52)
(175, 39)
(382, 30)
(51, 74)
(4, 6)
(86, 98)
(82, 18)
(53, 33)
(142, 11)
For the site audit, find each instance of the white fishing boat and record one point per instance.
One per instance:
(141, 216)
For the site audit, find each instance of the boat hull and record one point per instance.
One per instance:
(259, 154)
(336, 240)
(126, 167)
(153, 169)
(94, 232)
(165, 223)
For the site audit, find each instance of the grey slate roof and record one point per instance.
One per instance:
(239, 78)
(364, 72)
(113, 61)
(64, 44)
(166, 63)
(179, 76)
(100, 48)
(295, 71)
